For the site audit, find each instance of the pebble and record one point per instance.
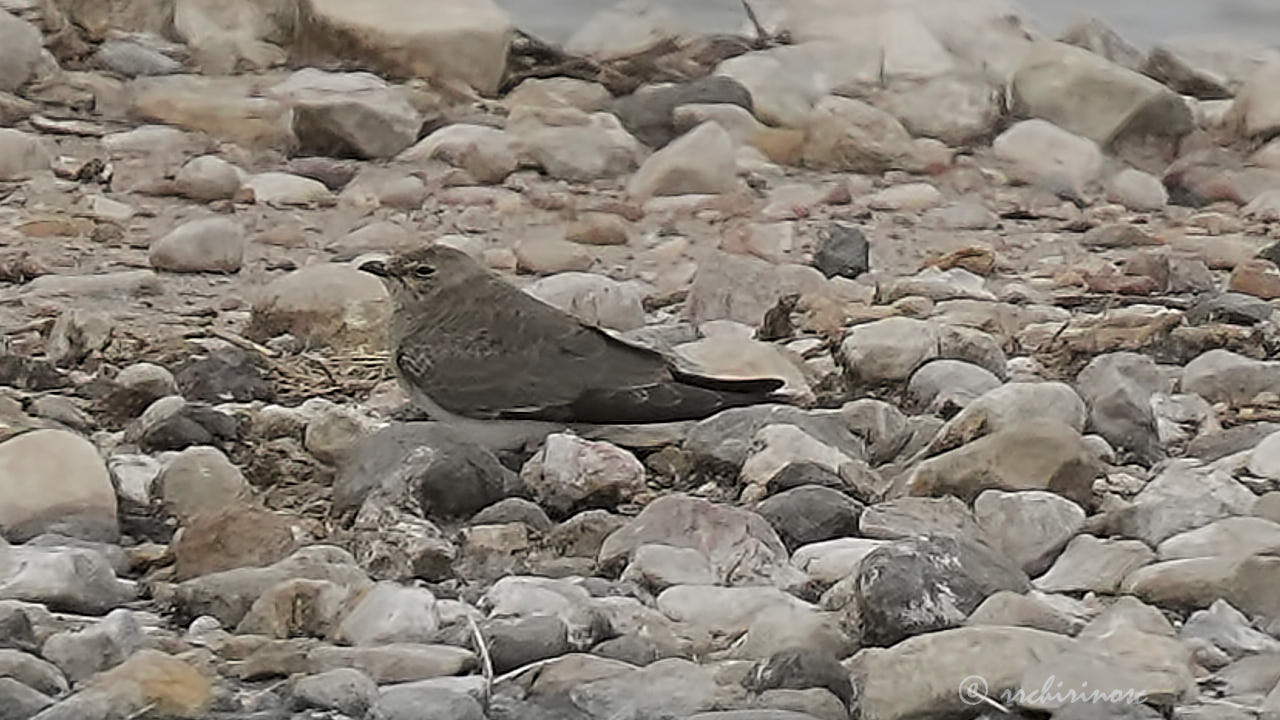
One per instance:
(212, 245)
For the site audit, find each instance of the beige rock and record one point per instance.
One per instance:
(224, 107)
(232, 536)
(440, 40)
(851, 136)
(929, 675)
(973, 106)
(53, 481)
(1034, 456)
(569, 473)
(698, 162)
(1137, 190)
(487, 153)
(1256, 110)
(1044, 154)
(593, 299)
(348, 114)
(153, 681)
(1265, 207)
(226, 36)
(546, 256)
(280, 189)
(21, 154)
(324, 304)
(1257, 277)
(1089, 564)
(736, 287)
(208, 177)
(558, 92)
(1090, 96)
(395, 663)
(572, 145)
(208, 245)
(727, 356)
(200, 480)
(910, 197)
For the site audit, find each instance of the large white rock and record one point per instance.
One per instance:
(325, 303)
(53, 481)
(1256, 110)
(227, 108)
(1044, 154)
(1093, 97)
(699, 162)
(438, 39)
(594, 299)
(572, 145)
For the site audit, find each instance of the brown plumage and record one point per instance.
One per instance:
(466, 342)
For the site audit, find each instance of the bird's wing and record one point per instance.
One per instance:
(490, 350)
(682, 371)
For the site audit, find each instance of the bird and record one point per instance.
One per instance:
(475, 352)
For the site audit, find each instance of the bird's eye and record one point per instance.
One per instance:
(424, 271)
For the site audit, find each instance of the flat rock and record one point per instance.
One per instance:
(1223, 376)
(346, 690)
(55, 481)
(849, 135)
(64, 579)
(575, 146)
(1184, 496)
(1228, 537)
(1089, 564)
(1039, 455)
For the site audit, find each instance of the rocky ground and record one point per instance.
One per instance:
(1022, 292)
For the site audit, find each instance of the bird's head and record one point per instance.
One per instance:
(423, 270)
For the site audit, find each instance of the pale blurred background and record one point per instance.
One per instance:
(1142, 22)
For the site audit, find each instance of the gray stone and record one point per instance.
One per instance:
(843, 252)
(942, 387)
(134, 59)
(1030, 527)
(345, 690)
(924, 585)
(570, 474)
(99, 647)
(19, 702)
(649, 113)
(810, 514)
(516, 642)
(908, 517)
(389, 613)
(1089, 564)
(64, 579)
(1184, 496)
(670, 688)
(740, 545)
(415, 703)
(33, 672)
(323, 304)
(1118, 388)
(1047, 156)
(199, 480)
(1223, 376)
(396, 663)
(722, 443)
(1229, 630)
(488, 154)
(443, 473)
(514, 510)
(593, 299)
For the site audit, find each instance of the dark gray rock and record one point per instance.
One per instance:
(1106, 711)
(649, 113)
(229, 375)
(435, 466)
(801, 474)
(629, 649)
(19, 702)
(801, 669)
(515, 642)
(189, 425)
(16, 630)
(1229, 441)
(1117, 390)
(1230, 308)
(425, 703)
(543, 707)
(666, 688)
(843, 251)
(721, 443)
(515, 510)
(922, 585)
(810, 514)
